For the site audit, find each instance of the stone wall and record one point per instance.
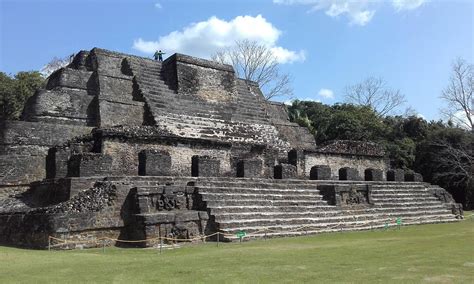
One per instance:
(337, 161)
(24, 147)
(126, 156)
(117, 105)
(205, 79)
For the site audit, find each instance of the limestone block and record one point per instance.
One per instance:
(57, 162)
(249, 168)
(68, 77)
(284, 171)
(205, 166)
(414, 177)
(115, 113)
(395, 175)
(320, 172)
(154, 163)
(347, 173)
(373, 175)
(90, 164)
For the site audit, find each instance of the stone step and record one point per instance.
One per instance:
(269, 191)
(258, 184)
(392, 185)
(262, 233)
(420, 209)
(213, 196)
(263, 202)
(403, 195)
(330, 224)
(402, 190)
(315, 222)
(216, 210)
(407, 204)
(403, 199)
(324, 214)
(276, 215)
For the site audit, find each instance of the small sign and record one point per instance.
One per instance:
(399, 221)
(241, 234)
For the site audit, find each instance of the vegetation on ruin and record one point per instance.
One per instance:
(442, 253)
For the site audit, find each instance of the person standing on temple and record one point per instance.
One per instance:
(159, 55)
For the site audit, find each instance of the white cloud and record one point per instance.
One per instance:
(326, 93)
(158, 5)
(401, 5)
(311, 100)
(359, 12)
(204, 38)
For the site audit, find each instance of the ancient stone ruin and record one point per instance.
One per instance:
(129, 148)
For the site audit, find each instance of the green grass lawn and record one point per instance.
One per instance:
(440, 253)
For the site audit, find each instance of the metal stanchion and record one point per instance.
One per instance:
(49, 243)
(217, 239)
(161, 244)
(103, 246)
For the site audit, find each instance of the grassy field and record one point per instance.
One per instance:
(441, 253)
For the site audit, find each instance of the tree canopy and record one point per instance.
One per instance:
(443, 153)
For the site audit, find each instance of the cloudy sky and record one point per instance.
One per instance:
(324, 44)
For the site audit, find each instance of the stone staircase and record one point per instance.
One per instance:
(190, 117)
(251, 106)
(274, 208)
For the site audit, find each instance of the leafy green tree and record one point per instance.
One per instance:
(340, 121)
(14, 92)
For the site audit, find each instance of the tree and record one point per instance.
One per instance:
(340, 121)
(55, 64)
(374, 93)
(459, 94)
(256, 62)
(14, 92)
(446, 157)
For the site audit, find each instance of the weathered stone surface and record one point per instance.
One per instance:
(71, 78)
(373, 175)
(337, 161)
(320, 172)
(414, 177)
(249, 168)
(154, 163)
(347, 195)
(205, 166)
(116, 113)
(90, 164)
(348, 174)
(395, 175)
(352, 147)
(285, 171)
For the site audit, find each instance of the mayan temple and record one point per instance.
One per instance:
(128, 148)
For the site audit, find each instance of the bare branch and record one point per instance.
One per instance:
(374, 93)
(459, 94)
(256, 62)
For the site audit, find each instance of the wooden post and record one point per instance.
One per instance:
(217, 239)
(49, 243)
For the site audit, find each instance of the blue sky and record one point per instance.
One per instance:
(323, 44)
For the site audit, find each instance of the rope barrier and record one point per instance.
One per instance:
(361, 224)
